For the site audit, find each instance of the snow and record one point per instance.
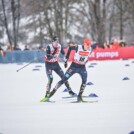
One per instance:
(21, 111)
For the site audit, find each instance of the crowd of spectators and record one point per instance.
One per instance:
(10, 48)
(114, 44)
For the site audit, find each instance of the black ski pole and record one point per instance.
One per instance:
(29, 63)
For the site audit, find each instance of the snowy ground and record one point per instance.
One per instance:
(21, 111)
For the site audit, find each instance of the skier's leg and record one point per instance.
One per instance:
(67, 75)
(50, 80)
(60, 72)
(83, 74)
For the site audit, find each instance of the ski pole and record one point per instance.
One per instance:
(29, 63)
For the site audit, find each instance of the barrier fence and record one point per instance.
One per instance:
(22, 56)
(101, 54)
(111, 54)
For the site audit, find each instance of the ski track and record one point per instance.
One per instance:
(21, 111)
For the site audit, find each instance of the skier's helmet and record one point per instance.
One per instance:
(87, 42)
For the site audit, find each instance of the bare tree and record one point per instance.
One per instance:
(15, 9)
(6, 22)
(70, 19)
(130, 10)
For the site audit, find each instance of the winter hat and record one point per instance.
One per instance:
(55, 37)
(87, 41)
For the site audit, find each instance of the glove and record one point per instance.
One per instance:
(55, 56)
(65, 64)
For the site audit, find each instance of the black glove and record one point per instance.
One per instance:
(65, 64)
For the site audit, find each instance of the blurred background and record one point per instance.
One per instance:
(30, 24)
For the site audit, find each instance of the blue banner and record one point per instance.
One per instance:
(22, 56)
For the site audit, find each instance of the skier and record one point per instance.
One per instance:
(51, 63)
(82, 53)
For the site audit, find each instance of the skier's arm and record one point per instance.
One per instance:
(48, 53)
(70, 49)
(62, 51)
(68, 54)
(91, 49)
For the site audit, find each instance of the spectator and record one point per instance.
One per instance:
(97, 46)
(122, 43)
(17, 48)
(105, 45)
(114, 44)
(26, 48)
(71, 43)
(2, 51)
(9, 47)
(0, 48)
(132, 43)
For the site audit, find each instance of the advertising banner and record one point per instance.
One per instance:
(110, 54)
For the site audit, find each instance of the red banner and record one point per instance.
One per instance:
(110, 54)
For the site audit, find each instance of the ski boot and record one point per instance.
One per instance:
(79, 98)
(47, 94)
(46, 98)
(72, 93)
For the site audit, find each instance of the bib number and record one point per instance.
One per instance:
(82, 59)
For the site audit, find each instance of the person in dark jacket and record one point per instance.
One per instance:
(51, 63)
